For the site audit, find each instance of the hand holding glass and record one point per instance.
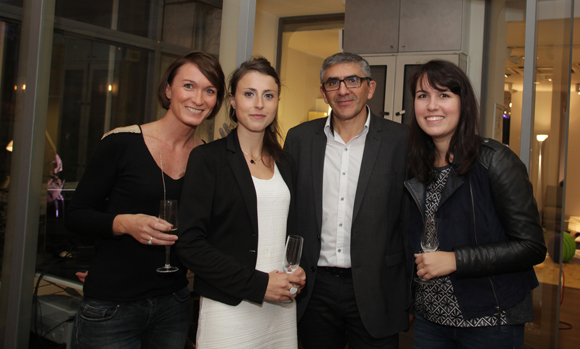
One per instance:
(292, 255)
(429, 243)
(168, 212)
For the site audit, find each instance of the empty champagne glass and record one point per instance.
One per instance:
(429, 243)
(168, 212)
(292, 255)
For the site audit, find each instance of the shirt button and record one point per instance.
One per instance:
(340, 224)
(341, 199)
(345, 149)
(344, 173)
(339, 250)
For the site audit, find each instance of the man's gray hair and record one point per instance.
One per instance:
(345, 57)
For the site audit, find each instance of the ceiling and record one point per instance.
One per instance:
(292, 8)
(553, 42)
(547, 31)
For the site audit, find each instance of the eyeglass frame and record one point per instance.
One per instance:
(342, 80)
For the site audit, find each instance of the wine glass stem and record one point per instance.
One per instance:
(167, 255)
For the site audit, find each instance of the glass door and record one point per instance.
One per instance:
(383, 73)
(509, 102)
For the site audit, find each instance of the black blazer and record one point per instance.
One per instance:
(377, 242)
(218, 222)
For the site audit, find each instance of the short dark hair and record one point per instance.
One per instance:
(465, 142)
(208, 65)
(261, 65)
(345, 57)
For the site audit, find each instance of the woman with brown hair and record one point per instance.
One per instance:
(237, 211)
(477, 292)
(127, 303)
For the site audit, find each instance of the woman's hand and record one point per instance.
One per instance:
(82, 275)
(148, 230)
(280, 284)
(434, 264)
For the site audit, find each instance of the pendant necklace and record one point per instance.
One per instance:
(161, 161)
(252, 161)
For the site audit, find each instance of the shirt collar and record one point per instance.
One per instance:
(328, 125)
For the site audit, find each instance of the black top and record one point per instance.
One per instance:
(218, 233)
(123, 178)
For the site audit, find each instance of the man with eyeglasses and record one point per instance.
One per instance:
(350, 172)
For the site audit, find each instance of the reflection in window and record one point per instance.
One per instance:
(128, 16)
(9, 49)
(94, 87)
(192, 24)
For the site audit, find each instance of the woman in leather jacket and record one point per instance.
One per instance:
(489, 235)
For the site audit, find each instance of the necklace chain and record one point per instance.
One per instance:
(252, 161)
(161, 160)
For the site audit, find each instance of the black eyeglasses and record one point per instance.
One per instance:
(350, 82)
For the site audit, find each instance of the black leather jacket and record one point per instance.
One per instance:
(490, 219)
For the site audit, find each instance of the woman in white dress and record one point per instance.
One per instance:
(234, 215)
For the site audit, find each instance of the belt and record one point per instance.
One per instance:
(334, 271)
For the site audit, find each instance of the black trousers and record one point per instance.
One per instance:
(332, 319)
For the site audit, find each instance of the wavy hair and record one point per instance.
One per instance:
(465, 142)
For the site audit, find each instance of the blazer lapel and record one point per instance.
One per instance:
(241, 172)
(318, 150)
(286, 172)
(372, 146)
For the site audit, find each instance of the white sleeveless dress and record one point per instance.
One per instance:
(251, 325)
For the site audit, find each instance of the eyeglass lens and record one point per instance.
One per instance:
(349, 82)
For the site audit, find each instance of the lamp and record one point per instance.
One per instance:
(541, 139)
(10, 146)
(574, 224)
(578, 88)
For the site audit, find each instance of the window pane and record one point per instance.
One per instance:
(12, 2)
(94, 87)
(133, 15)
(87, 11)
(9, 50)
(192, 24)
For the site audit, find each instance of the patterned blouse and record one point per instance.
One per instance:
(437, 302)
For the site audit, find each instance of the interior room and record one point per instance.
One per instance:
(90, 68)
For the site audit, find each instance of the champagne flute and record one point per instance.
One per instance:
(429, 243)
(168, 212)
(292, 255)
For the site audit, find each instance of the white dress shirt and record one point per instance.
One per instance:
(342, 162)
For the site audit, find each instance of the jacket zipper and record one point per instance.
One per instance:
(497, 307)
(413, 269)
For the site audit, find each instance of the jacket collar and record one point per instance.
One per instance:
(241, 172)
(418, 189)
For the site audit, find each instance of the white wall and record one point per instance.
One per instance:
(300, 79)
(266, 36)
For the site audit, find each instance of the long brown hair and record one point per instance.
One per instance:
(272, 133)
(208, 65)
(465, 142)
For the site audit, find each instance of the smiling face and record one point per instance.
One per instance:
(192, 95)
(347, 103)
(437, 111)
(255, 101)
